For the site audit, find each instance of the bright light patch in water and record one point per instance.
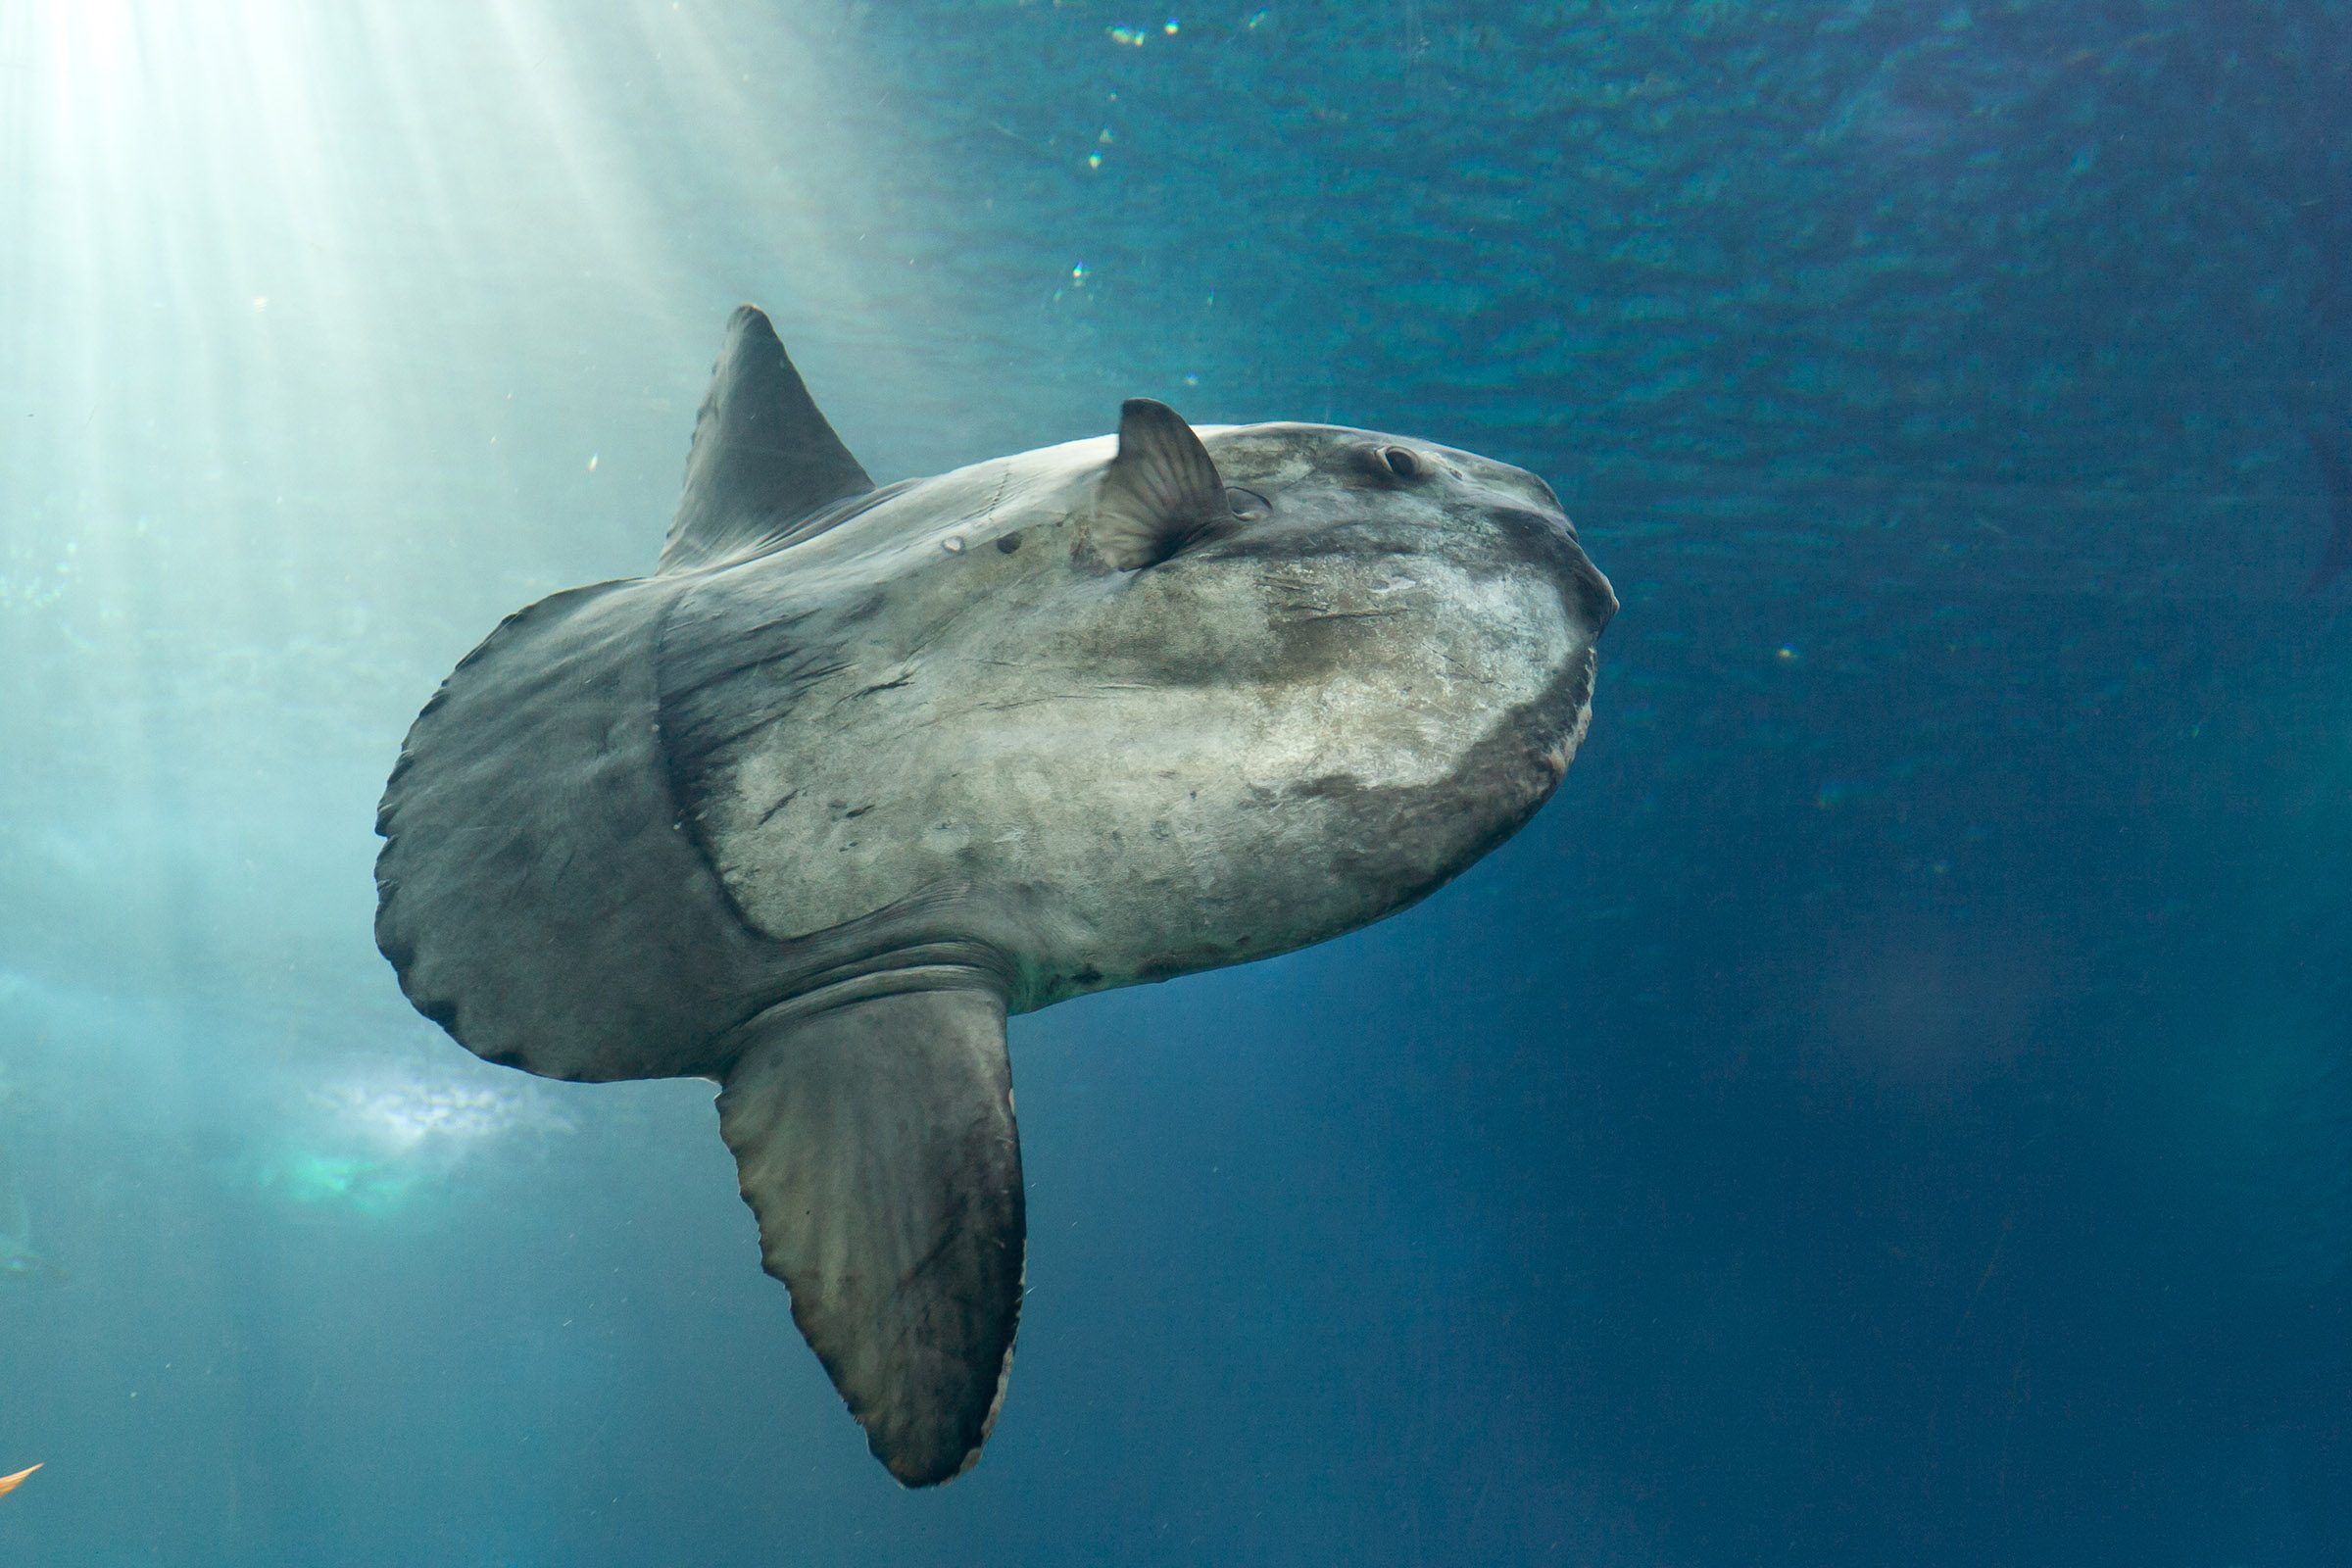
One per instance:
(383, 1136)
(406, 1112)
(283, 250)
(342, 1180)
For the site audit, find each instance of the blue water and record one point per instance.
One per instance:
(1895, 1105)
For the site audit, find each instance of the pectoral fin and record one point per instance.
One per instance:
(1162, 492)
(9, 1484)
(876, 1147)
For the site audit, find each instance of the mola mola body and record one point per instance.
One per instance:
(858, 772)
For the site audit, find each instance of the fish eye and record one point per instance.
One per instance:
(1403, 463)
(1246, 505)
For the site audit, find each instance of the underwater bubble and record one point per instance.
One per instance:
(344, 1181)
(409, 1109)
(384, 1135)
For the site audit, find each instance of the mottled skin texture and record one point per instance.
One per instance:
(1275, 736)
(858, 773)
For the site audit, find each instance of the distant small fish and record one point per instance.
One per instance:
(18, 1260)
(2338, 477)
(9, 1484)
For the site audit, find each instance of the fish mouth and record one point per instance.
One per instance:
(1546, 542)
(1591, 594)
(1591, 600)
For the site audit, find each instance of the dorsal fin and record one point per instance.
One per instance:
(764, 457)
(1162, 492)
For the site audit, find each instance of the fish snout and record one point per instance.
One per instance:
(1590, 597)
(1547, 541)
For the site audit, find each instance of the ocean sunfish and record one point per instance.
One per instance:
(859, 771)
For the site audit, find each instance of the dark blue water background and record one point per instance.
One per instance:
(1893, 1107)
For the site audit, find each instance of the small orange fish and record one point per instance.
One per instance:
(9, 1484)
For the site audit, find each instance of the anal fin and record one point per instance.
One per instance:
(876, 1147)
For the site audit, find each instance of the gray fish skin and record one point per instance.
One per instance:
(860, 772)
